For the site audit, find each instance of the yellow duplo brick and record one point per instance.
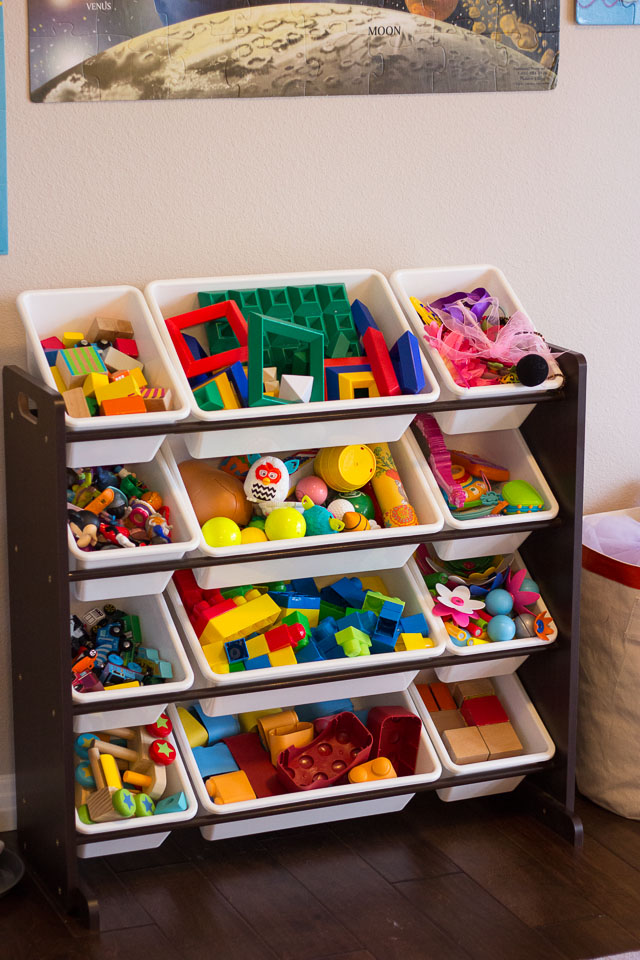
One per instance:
(412, 641)
(195, 733)
(374, 583)
(252, 595)
(255, 615)
(249, 721)
(216, 657)
(239, 600)
(257, 646)
(227, 393)
(93, 382)
(313, 616)
(125, 387)
(139, 377)
(124, 686)
(60, 384)
(282, 658)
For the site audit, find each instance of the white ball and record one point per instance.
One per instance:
(339, 507)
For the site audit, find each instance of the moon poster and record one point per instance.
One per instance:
(179, 49)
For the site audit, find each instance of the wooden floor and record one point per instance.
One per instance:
(441, 881)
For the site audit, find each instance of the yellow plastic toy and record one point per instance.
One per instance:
(230, 788)
(378, 769)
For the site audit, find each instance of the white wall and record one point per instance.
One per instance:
(128, 192)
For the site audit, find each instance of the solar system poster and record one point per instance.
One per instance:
(178, 49)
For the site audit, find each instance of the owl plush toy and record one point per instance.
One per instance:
(267, 481)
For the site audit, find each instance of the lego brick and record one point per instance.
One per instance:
(214, 759)
(257, 646)
(250, 755)
(364, 620)
(127, 346)
(501, 740)
(349, 590)
(227, 310)
(354, 642)
(407, 363)
(330, 610)
(465, 745)
(75, 403)
(258, 663)
(248, 618)
(237, 666)
(362, 317)
(309, 653)
(412, 641)
(442, 695)
(447, 720)
(468, 689)
(230, 788)
(195, 733)
(380, 360)
(379, 769)
(215, 657)
(235, 650)
(123, 405)
(392, 606)
(77, 363)
(427, 697)
(483, 710)
(416, 623)
(285, 657)
(115, 360)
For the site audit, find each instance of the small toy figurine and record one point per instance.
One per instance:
(267, 481)
(84, 527)
(115, 534)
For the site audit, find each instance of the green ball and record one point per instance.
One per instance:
(285, 523)
(258, 522)
(221, 532)
(362, 503)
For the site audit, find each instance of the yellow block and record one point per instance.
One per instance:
(196, 734)
(286, 718)
(252, 594)
(93, 382)
(227, 393)
(70, 338)
(230, 787)
(139, 377)
(255, 615)
(249, 721)
(282, 658)
(110, 768)
(413, 641)
(257, 646)
(216, 657)
(376, 584)
(123, 686)
(116, 389)
(348, 383)
(60, 384)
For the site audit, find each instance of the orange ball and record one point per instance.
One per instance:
(214, 493)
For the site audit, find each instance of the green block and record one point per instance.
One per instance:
(92, 403)
(236, 666)
(354, 642)
(331, 610)
(247, 300)
(274, 303)
(132, 626)
(297, 617)
(261, 330)
(374, 601)
(236, 591)
(340, 347)
(208, 396)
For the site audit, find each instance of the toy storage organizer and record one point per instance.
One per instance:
(35, 437)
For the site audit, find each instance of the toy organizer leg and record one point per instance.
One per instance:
(39, 593)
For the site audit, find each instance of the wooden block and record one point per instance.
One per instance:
(156, 398)
(447, 720)
(467, 689)
(93, 381)
(227, 393)
(139, 377)
(60, 384)
(122, 405)
(70, 338)
(124, 387)
(77, 363)
(427, 697)
(465, 745)
(501, 740)
(483, 710)
(114, 360)
(103, 328)
(128, 346)
(124, 328)
(442, 695)
(76, 403)
(269, 373)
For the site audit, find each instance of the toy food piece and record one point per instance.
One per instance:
(315, 488)
(214, 493)
(285, 523)
(345, 468)
(389, 491)
(221, 532)
(267, 481)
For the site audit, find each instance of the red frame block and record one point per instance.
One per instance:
(227, 310)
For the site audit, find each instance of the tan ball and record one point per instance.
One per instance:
(214, 493)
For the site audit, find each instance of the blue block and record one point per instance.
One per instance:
(332, 374)
(309, 653)
(362, 715)
(364, 620)
(199, 380)
(214, 760)
(176, 803)
(416, 623)
(238, 378)
(326, 708)
(350, 592)
(333, 651)
(236, 650)
(305, 586)
(405, 357)
(326, 629)
(198, 351)
(258, 663)
(382, 643)
(52, 356)
(362, 317)
(218, 728)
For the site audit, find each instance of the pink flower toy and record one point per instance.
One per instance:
(522, 599)
(456, 603)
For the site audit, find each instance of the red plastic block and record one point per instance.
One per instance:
(396, 736)
(128, 347)
(249, 754)
(380, 360)
(443, 696)
(210, 612)
(481, 711)
(186, 585)
(227, 310)
(286, 635)
(343, 743)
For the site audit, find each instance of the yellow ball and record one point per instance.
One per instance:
(253, 535)
(221, 532)
(285, 523)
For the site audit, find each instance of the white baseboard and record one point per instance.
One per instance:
(7, 802)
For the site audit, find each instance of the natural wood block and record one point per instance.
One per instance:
(468, 689)
(465, 745)
(114, 360)
(483, 710)
(501, 740)
(427, 697)
(76, 402)
(156, 398)
(442, 695)
(448, 720)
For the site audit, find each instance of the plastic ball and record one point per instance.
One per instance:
(532, 370)
(501, 628)
(339, 507)
(355, 522)
(257, 522)
(285, 523)
(525, 626)
(498, 601)
(361, 503)
(253, 535)
(529, 585)
(221, 532)
(313, 487)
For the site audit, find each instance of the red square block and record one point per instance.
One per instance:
(481, 711)
(129, 347)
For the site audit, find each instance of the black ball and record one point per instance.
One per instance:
(532, 370)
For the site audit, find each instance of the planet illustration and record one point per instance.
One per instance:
(299, 49)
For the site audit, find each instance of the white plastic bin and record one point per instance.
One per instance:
(507, 448)
(49, 313)
(401, 583)
(158, 475)
(170, 298)
(158, 631)
(256, 566)
(177, 780)
(538, 745)
(431, 284)
(428, 769)
(490, 667)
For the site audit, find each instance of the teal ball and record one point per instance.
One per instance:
(501, 628)
(498, 602)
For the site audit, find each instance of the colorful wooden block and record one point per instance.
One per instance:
(296, 389)
(413, 641)
(427, 697)
(156, 398)
(357, 385)
(227, 393)
(262, 330)
(115, 360)
(128, 346)
(52, 343)
(345, 365)
(442, 695)
(483, 710)
(378, 356)
(136, 374)
(407, 363)
(75, 403)
(501, 740)
(193, 729)
(465, 745)
(70, 338)
(285, 657)
(76, 364)
(105, 328)
(93, 381)
(124, 387)
(227, 310)
(208, 397)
